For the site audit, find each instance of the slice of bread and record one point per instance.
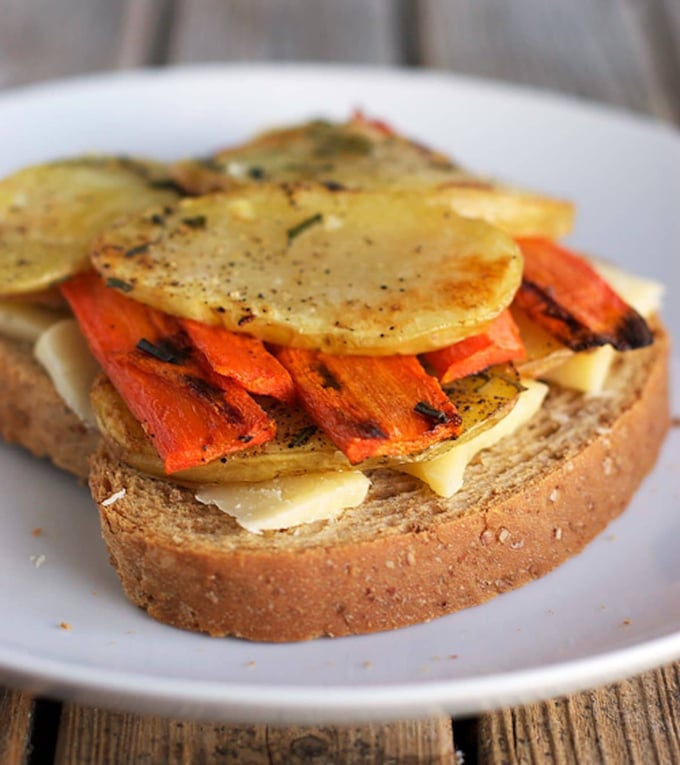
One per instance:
(33, 414)
(405, 555)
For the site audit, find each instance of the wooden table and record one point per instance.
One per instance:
(624, 52)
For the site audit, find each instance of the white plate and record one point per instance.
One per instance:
(610, 612)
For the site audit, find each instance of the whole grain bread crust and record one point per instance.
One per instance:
(405, 555)
(33, 414)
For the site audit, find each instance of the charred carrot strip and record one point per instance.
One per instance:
(500, 343)
(189, 420)
(562, 293)
(371, 406)
(242, 358)
(191, 414)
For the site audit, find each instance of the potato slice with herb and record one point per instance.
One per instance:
(347, 272)
(49, 213)
(299, 446)
(363, 154)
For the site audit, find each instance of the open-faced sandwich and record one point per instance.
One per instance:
(345, 385)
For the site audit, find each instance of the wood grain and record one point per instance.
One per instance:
(610, 50)
(636, 722)
(16, 725)
(97, 736)
(42, 39)
(301, 30)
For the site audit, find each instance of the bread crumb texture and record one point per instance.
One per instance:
(405, 555)
(33, 414)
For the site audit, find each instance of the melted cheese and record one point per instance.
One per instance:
(444, 474)
(64, 354)
(288, 500)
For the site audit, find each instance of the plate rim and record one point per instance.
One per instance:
(334, 702)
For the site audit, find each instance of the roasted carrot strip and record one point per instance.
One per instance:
(242, 358)
(564, 294)
(190, 413)
(500, 343)
(371, 406)
(359, 118)
(189, 420)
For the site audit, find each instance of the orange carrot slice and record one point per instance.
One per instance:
(500, 343)
(564, 294)
(189, 420)
(360, 119)
(242, 358)
(371, 406)
(190, 413)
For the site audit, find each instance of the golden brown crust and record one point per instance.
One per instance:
(33, 415)
(404, 556)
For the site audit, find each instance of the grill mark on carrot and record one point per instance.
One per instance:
(328, 380)
(633, 332)
(216, 397)
(563, 293)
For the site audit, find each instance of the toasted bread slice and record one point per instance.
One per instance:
(33, 414)
(405, 555)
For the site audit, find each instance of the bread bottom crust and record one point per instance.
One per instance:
(405, 556)
(33, 414)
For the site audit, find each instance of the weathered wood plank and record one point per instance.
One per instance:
(91, 735)
(96, 736)
(427, 741)
(16, 722)
(302, 30)
(42, 39)
(657, 27)
(636, 722)
(595, 50)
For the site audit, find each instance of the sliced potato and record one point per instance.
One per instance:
(543, 351)
(348, 272)
(299, 446)
(362, 155)
(49, 213)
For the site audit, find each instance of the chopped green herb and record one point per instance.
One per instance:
(302, 436)
(427, 410)
(303, 226)
(163, 351)
(335, 143)
(118, 284)
(198, 221)
(166, 184)
(138, 250)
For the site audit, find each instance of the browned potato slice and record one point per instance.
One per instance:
(361, 155)
(543, 351)
(348, 272)
(49, 213)
(299, 446)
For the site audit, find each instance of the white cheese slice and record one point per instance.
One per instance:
(444, 474)
(63, 352)
(587, 371)
(288, 500)
(23, 321)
